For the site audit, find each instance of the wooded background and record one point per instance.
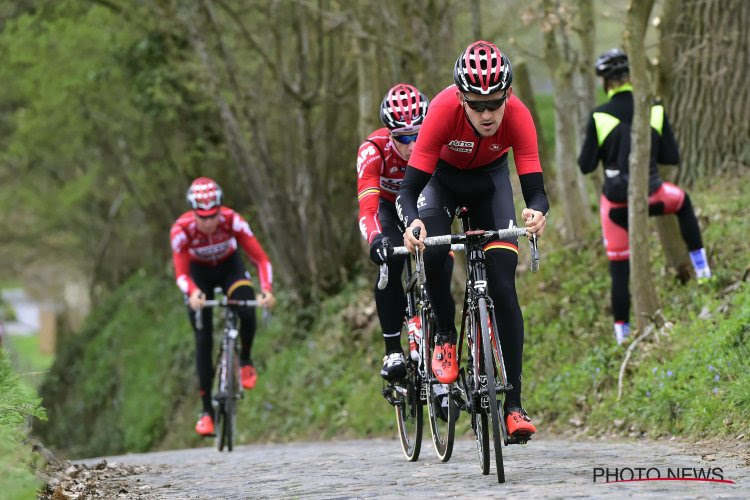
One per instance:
(109, 108)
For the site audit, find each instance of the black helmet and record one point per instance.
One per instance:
(612, 64)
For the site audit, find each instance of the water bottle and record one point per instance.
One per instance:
(415, 336)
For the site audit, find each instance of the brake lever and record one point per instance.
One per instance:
(534, 253)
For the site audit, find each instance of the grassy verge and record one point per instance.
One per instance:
(689, 380)
(127, 381)
(17, 403)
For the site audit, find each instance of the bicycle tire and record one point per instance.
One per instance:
(225, 394)
(409, 414)
(479, 421)
(443, 429)
(489, 368)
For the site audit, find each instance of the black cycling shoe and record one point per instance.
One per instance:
(394, 366)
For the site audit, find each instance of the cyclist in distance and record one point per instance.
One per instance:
(204, 252)
(461, 158)
(381, 163)
(608, 141)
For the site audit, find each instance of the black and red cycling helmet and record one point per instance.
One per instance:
(482, 69)
(403, 107)
(204, 196)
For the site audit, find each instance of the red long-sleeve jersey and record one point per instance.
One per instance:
(191, 245)
(380, 171)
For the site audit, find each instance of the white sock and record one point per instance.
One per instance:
(700, 263)
(622, 330)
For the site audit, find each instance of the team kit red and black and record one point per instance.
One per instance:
(458, 162)
(204, 244)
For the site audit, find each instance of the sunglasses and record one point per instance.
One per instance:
(481, 106)
(405, 139)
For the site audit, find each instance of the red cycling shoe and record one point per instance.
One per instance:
(205, 425)
(518, 422)
(249, 376)
(444, 363)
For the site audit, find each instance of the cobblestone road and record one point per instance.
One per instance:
(546, 467)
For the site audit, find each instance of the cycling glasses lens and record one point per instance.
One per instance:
(481, 106)
(405, 139)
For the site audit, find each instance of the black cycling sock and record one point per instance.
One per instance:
(689, 228)
(620, 272)
(512, 400)
(392, 344)
(206, 400)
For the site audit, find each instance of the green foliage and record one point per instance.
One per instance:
(17, 404)
(690, 381)
(113, 386)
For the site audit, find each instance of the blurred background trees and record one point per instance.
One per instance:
(111, 107)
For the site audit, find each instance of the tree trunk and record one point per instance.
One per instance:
(522, 86)
(641, 285)
(575, 215)
(585, 27)
(708, 96)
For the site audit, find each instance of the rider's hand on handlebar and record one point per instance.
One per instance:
(535, 220)
(410, 241)
(381, 250)
(197, 299)
(266, 299)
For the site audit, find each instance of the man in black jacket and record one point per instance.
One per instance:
(608, 140)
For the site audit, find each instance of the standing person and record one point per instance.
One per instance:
(204, 252)
(381, 163)
(608, 140)
(461, 158)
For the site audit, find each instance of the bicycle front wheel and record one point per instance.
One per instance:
(441, 406)
(227, 389)
(489, 372)
(473, 391)
(409, 415)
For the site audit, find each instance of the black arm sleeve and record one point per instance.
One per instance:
(532, 186)
(406, 202)
(589, 157)
(668, 154)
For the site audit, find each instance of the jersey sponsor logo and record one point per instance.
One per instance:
(421, 201)
(610, 172)
(393, 170)
(391, 185)
(363, 227)
(215, 250)
(178, 241)
(495, 147)
(363, 156)
(461, 146)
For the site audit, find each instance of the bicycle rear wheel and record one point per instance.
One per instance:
(489, 372)
(409, 413)
(441, 406)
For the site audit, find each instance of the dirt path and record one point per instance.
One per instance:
(548, 467)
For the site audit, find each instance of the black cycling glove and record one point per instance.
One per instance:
(381, 250)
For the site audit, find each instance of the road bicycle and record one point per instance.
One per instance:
(227, 389)
(483, 379)
(420, 387)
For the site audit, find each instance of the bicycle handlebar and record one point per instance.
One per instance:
(224, 302)
(457, 245)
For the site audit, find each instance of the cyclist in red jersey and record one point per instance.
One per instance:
(204, 243)
(381, 163)
(460, 159)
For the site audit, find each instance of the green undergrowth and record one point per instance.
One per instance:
(17, 405)
(689, 378)
(127, 381)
